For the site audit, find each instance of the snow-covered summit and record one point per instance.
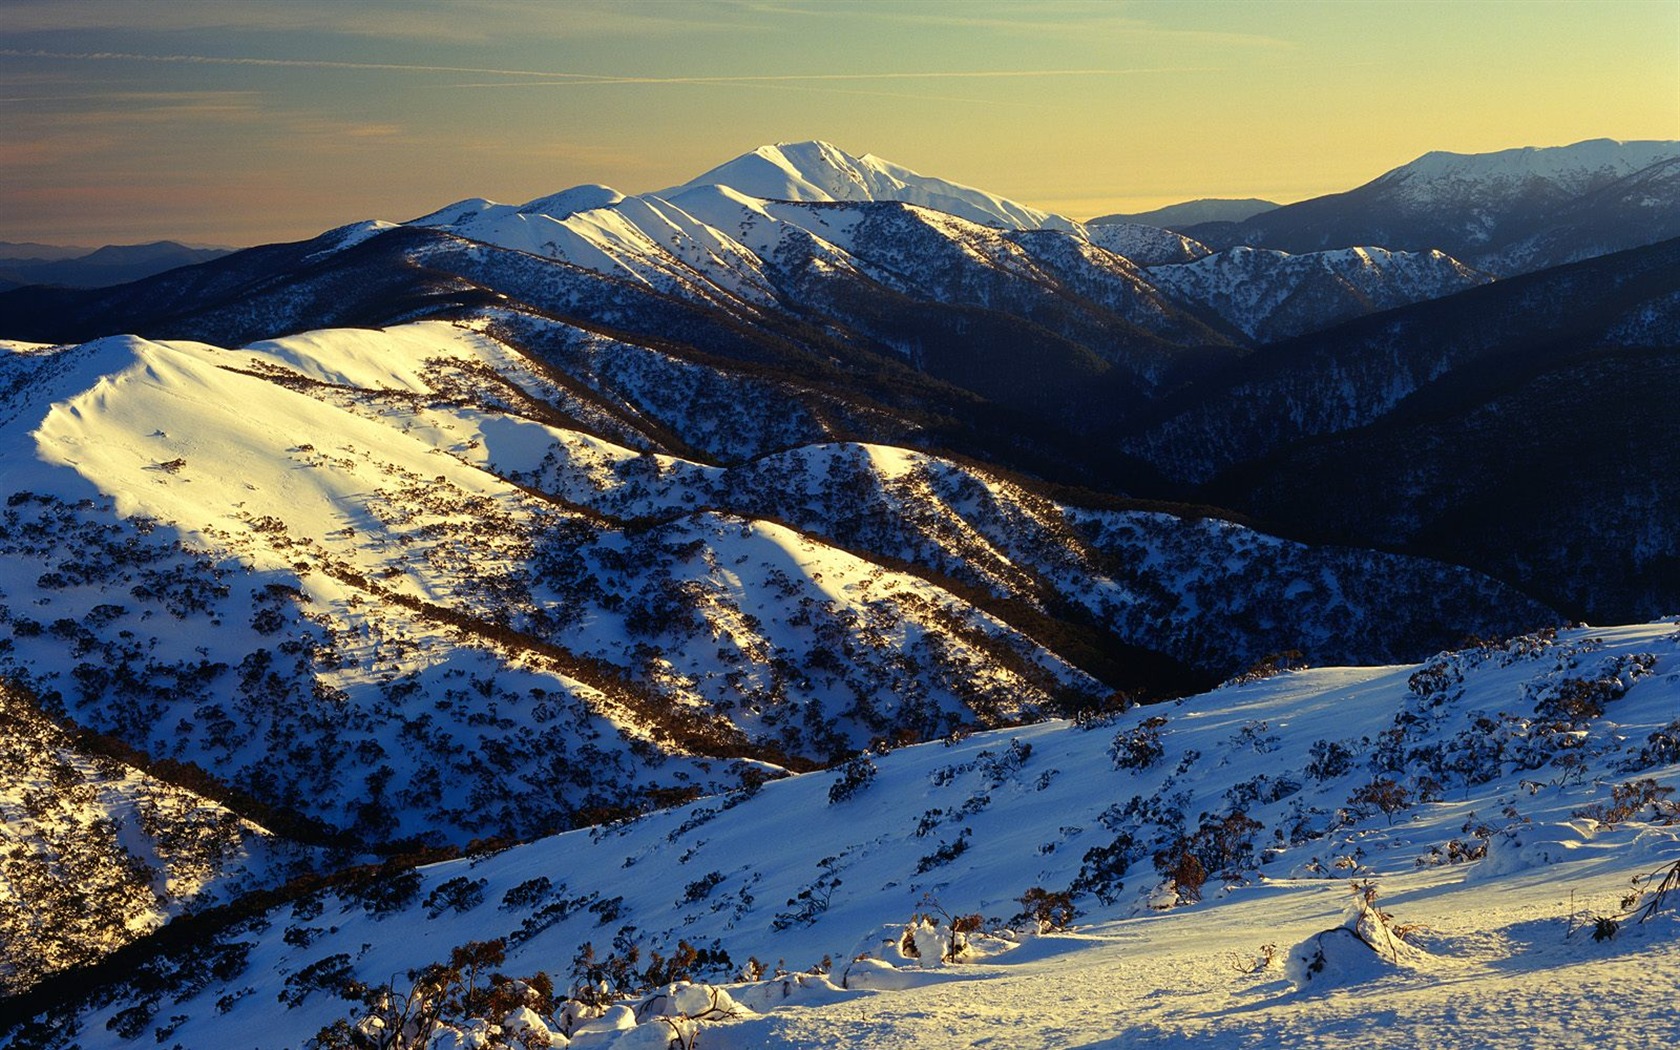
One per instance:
(818, 172)
(1572, 170)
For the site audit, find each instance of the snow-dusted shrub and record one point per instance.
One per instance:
(131, 1022)
(1269, 667)
(855, 775)
(1185, 871)
(1222, 846)
(935, 935)
(945, 854)
(1328, 759)
(1365, 945)
(457, 894)
(931, 942)
(1140, 748)
(527, 894)
(677, 1012)
(1102, 868)
(457, 1004)
(700, 888)
(1440, 681)
(1381, 793)
(1046, 910)
(1255, 736)
(1457, 851)
(999, 767)
(811, 901)
(1630, 799)
(385, 892)
(331, 974)
(1658, 899)
(1661, 748)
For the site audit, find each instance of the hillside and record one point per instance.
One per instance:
(1494, 801)
(411, 554)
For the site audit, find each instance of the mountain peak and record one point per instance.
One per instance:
(818, 171)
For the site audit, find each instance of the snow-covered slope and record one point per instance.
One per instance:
(1270, 295)
(1493, 181)
(1146, 245)
(1496, 801)
(374, 577)
(95, 852)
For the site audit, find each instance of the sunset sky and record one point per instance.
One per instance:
(245, 122)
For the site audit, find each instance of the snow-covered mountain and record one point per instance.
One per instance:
(1146, 245)
(323, 560)
(819, 171)
(1276, 859)
(1494, 181)
(1049, 351)
(769, 225)
(1514, 211)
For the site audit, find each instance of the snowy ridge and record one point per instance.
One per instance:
(1272, 295)
(1510, 212)
(1493, 177)
(1146, 245)
(1495, 800)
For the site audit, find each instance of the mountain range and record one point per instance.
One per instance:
(29, 264)
(1511, 212)
(438, 536)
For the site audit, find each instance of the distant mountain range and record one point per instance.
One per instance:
(1190, 213)
(29, 264)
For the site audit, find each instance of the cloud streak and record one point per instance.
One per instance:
(553, 78)
(278, 63)
(584, 80)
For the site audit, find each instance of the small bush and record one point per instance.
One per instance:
(1048, 910)
(527, 894)
(701, 888)
(855, 775)
(1140, 748)
(1328, 759)
(458, 894)
(945, 854)
(1383, 793)
(1628, 800)
(1103, 867)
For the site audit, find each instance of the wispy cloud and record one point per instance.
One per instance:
(553, 78)
(587, 80)
(282, 63)
(439, 21)
(1079, 20)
